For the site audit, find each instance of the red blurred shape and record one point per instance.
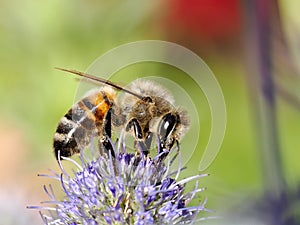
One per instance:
(206, 20)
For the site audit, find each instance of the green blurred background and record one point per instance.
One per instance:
(37, 36)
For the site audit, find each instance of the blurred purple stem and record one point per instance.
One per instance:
(259, 14)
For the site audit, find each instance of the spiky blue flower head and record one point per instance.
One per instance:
(125, 189)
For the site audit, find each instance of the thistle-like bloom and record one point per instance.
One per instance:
(127, 189)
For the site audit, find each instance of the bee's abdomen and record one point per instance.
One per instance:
(80, 123)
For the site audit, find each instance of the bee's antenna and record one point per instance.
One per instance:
(100, 80)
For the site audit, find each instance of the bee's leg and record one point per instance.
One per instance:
(138, 133)
(142, 145)
(164, 149)
(145, 145)
(177, 152)
(148, 140)
(106, 140)
(107, 124)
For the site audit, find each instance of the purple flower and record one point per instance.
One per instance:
(127, 189)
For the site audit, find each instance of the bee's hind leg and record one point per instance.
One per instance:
(106, 145)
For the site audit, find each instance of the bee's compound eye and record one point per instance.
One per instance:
(167, 125)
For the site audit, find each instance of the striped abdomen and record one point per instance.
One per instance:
(81, 122)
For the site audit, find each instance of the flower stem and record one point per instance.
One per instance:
(259, 15)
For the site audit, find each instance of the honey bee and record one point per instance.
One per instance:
(145, 111)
